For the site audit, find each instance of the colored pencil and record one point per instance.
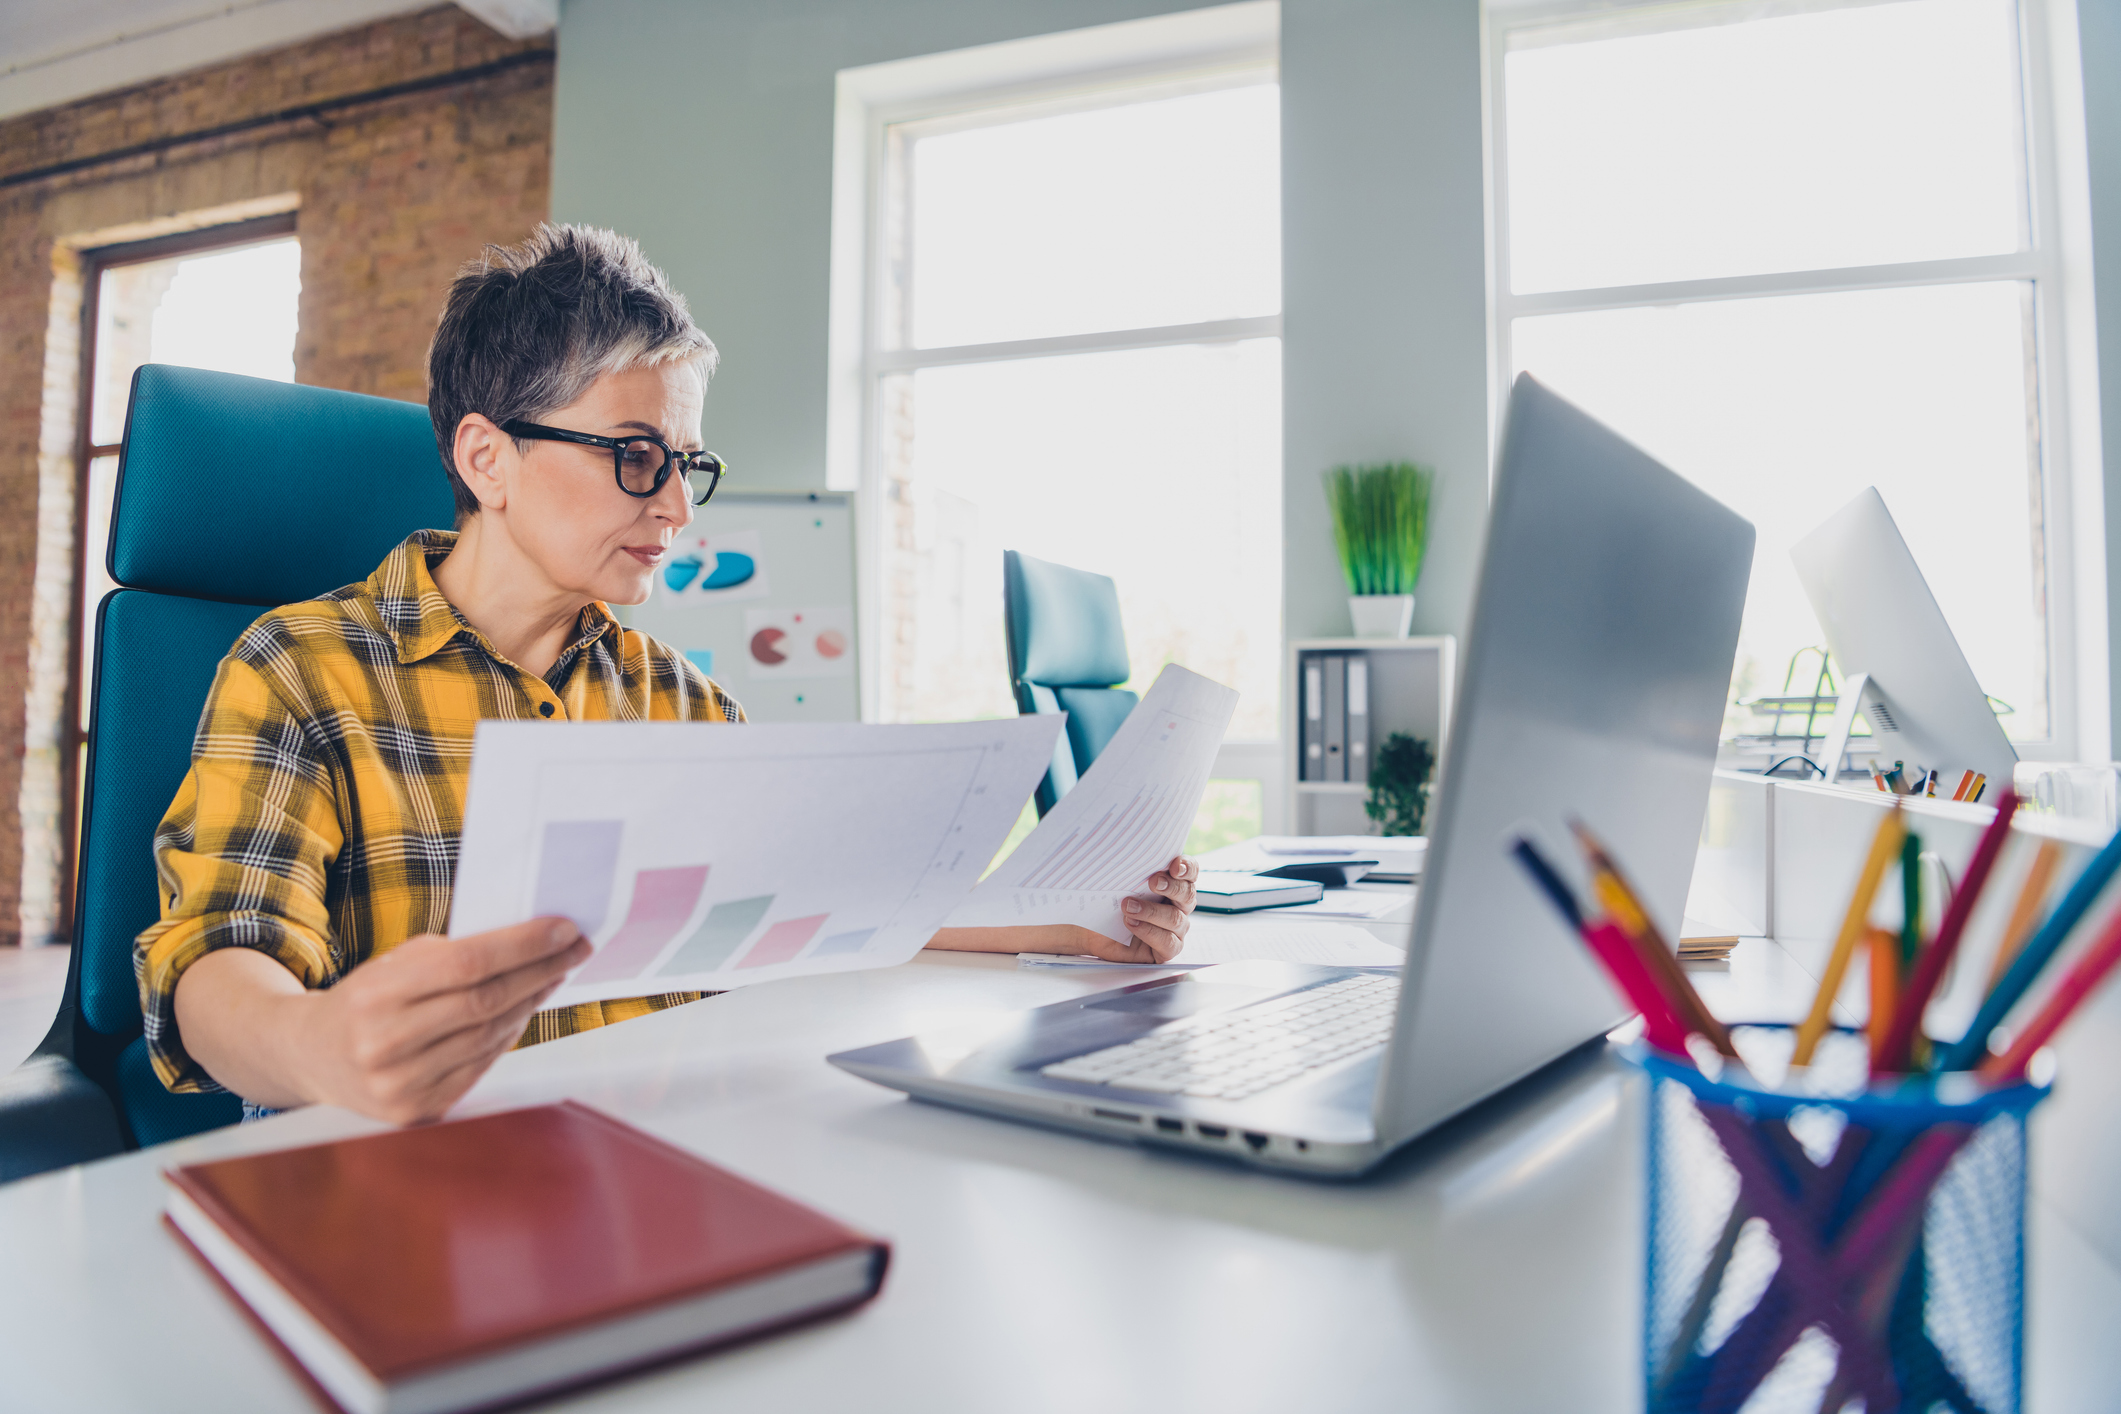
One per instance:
(1910, 897)
(1930, 964)
(1622, 904)
(1614, 950)
(2026, 911)
(1550, 883)
(1885, 991)
(1884, 845)
(1662, 1026)
(1966, 783)
(2069, 994)
(1972, 1048)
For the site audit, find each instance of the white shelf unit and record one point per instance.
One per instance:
(1411, 683)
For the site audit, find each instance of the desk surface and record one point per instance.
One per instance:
(1495, 1265)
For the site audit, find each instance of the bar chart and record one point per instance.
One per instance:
(708, 857)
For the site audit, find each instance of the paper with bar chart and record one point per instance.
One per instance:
(1125, 819)
(703, 857)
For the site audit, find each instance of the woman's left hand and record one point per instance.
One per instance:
(1158, 919)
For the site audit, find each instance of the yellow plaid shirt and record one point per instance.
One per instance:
(319, 821)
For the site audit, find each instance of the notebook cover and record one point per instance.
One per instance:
(422, 1247)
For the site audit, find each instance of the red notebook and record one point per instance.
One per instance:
(475, 1263)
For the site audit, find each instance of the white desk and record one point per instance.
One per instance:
(1494, 1266)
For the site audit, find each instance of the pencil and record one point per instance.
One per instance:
(1930, 964)
(1885, 991)
(1662, 1026)
(1966, 783)
(1620, 901)
(1884, 845)
(2026, 911)
(1970, 1049)
(1613, 949)
(1910, 897)
(2069, 994)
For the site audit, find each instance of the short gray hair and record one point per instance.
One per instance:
(528, 328)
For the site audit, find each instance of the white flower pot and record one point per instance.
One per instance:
(1381, 615)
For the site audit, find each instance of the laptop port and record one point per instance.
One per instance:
(1118, 1115)
(1212, 1131)
(1171, 1126)
(1257, 1140)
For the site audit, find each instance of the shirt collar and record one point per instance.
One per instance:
(420, 620)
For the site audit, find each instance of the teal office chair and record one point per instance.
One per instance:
(1067, 652)
(234, 495)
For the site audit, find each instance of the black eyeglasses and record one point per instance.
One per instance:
(640, 464)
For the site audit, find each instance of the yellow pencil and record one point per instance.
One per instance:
(2026, 911)
(1885, 846)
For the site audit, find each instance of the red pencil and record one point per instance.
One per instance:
(1662, 1026)
(2069, 994)
(1892, 1053)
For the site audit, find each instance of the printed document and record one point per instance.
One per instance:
(1126, 819)
(700, 858)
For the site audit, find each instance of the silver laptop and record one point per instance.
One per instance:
(1604, 630)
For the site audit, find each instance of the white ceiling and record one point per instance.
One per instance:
(57, 51)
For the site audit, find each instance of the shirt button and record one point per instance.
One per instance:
(544, 709)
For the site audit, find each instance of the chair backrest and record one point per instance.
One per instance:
(234, 495)
(1067, 653)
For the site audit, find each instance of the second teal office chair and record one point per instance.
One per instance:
(234, 495)
(1067, 653)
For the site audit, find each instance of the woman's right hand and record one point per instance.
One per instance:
(400, 1038)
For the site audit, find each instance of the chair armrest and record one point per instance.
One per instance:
(52, 1115)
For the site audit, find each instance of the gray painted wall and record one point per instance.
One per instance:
(1384, 266)
(704, 128)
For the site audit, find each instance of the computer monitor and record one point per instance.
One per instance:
(1900, 666)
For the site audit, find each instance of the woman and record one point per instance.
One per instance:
(307, 859)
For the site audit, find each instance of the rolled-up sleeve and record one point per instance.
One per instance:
(244, 856)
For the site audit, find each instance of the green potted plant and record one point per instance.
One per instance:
(1399, 784)
(1380, 528)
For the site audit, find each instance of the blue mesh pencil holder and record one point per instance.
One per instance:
(1826, 1242)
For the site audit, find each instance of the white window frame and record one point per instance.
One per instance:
(2056, 262)
(1165, 56)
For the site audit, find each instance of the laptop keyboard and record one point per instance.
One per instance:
(1236, 1054)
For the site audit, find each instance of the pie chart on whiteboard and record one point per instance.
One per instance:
(766, 646)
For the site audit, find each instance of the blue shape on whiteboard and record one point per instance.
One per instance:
(678, 573)
(703, 659)
(730, 570)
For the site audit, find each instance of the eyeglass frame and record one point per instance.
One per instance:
(685, 462)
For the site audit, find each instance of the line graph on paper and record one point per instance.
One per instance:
(1126, 843)
(1126, 818)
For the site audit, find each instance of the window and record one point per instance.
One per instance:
(1795, 249)
(223, 299)
(1071, 348)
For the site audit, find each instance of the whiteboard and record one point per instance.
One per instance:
(759, 592)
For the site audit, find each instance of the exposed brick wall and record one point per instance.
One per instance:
(392, 196)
